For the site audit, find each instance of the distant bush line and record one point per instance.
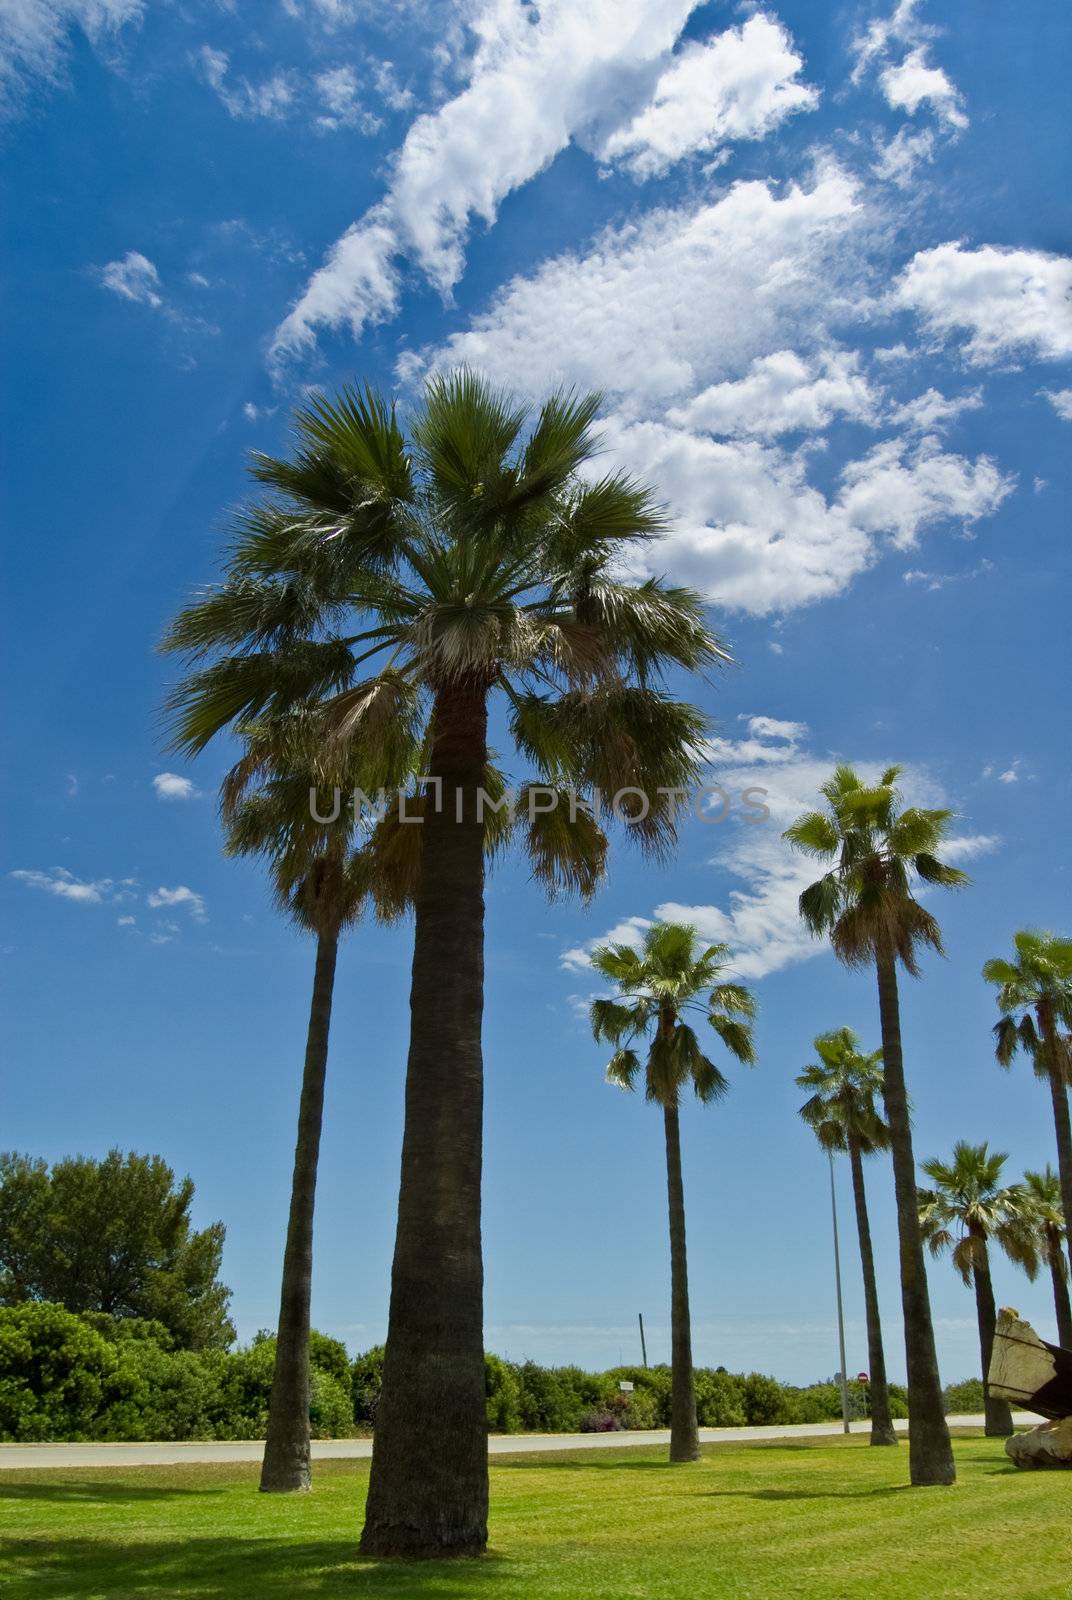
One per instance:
(91, 1377)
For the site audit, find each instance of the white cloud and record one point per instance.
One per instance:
(169, 786)
(935, 581)
(915, 82)
(1011, 774)
(133, 278)
(180, 896)
(636, 314)
(537, 78)
(338, 93)
(1010, 302)
(272, 98)
(782, 393)
(871, 45)
(59, 881)
(760, 921)
(34, 36)
(932, 409)
(736, 85)
(126, 922)
(1061, 401)
(898, 159)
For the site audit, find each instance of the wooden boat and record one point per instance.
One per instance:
(1028, 1372)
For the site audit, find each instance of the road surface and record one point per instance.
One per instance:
(207, 1450)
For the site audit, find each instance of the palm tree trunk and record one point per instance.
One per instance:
(882, 1431)
(285, 1467)
(684, 1437)
(1061, 1304)
(930, 1452)
(428, 1492)
(997, 1413)
(1061, 1123)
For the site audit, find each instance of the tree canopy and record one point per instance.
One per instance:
(112, 1236)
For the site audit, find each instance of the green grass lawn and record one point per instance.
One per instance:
(827, 1520)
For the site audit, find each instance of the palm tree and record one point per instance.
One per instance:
(967, 1197)
(474, 561)
(843, 1116)
(671, 975)
(866, 906)
(322, 883)
(1043, 1190)
(1035, 999)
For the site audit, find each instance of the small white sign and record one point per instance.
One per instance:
(625, 1386)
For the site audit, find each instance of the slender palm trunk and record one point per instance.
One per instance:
(428, 1493)
(882, 1431)
(1061, 1123)
(997, 1413)
(286, 1449)
(1061, 1304)
(930, 1454)
(684, 1437)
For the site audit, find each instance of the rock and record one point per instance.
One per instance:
(1048, 1446)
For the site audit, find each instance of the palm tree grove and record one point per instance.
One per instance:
(569, 503)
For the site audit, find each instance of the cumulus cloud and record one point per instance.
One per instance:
(760, 921)
(1009, 302)
(169, 786)
(271, 98)
(59, 881)
(1061, 401)
(338, 93)
(179, 896)
(537, 79)
(736, 85)
(34, 36)
(915, 82)
(782, 393)
(931, 410)
(133, 278)
(871, 46)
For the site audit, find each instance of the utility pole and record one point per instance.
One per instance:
(840, 1308)
(643, 1346)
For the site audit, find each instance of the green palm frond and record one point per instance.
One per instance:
(622, 1069)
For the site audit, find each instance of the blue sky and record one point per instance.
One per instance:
(813, 258)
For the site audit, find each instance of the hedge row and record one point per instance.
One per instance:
(64, 1376)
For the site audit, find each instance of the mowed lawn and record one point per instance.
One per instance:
(827, 1520)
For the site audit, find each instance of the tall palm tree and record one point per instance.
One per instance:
(672, 975)
(865, 904)
(470, 557)
(1035, 999)
(1043, 1190)
(322, 883)
(966, 1209)
(843, 1116)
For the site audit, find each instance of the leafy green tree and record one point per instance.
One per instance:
(1035, 999)
(115, 1236)
(671, 976)
(476, 563)
(1043, 1190)
(966, 1210)
(866, 906)
(842, 1114)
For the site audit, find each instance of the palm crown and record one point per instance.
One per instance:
(1043, 1195)
(672, 974)
(1038, 980)
(865, 902)
(845, 1084)
(968, 1206)
(469, 553)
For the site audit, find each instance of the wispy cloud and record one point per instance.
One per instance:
(133, 277)
(64, 884)
(161, 898)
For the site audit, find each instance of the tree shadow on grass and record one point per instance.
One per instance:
(103, 1493)
(805, 1494)
(229, 1569)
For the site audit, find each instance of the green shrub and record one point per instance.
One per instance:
(719, 1399)
(331, 1408)
(329, 1355)
(964, 1398)
(502, 1386)
(53, 1372)
(366, 1378)
(764, 1400)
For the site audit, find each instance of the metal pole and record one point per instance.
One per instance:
(643, 1346)
(840, 1308)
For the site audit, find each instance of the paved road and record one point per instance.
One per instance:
(194, 1451)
